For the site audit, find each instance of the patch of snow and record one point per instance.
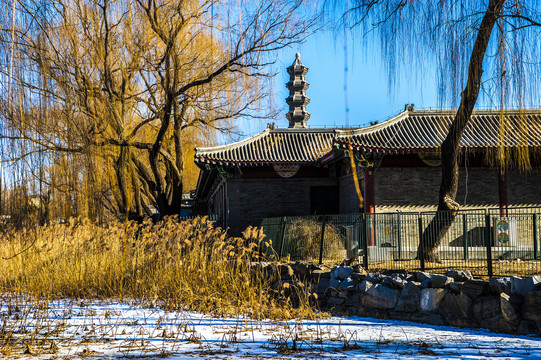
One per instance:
(99, 330)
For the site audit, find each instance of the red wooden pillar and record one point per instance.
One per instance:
(369, 206)
(502, 192)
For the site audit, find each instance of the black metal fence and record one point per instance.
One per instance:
(481, 241)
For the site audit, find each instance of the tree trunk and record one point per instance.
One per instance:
(450, 148)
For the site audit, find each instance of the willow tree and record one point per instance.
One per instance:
(127, 86)
(490, 46)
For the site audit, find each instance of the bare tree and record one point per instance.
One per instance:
(129, 85)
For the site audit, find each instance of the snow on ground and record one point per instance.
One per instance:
(98, 330)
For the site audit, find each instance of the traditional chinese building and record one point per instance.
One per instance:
(304, 171)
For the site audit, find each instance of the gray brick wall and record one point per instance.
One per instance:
(524, 188)
(407, 188)
(251, 200)
(417, 187)
(349, 202)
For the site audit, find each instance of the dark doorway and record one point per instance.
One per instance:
(324, 200)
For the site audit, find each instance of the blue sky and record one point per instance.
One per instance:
(370, 98)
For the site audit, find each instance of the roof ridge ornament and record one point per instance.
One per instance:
(297, 60)
(297, 99)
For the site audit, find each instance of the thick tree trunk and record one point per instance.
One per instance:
(450, 148)
(168, 188)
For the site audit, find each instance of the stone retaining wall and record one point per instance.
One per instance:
(509, 305)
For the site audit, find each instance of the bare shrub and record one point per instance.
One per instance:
(304, 237)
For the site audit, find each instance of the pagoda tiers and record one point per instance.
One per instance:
(297, 99)
(301, 171)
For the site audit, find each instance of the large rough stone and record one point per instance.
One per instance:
(457, 306)
(409, 299)
(398, 281)
(320, 274)
(386, 281)
(431, 298)
(380, 297)
(302, 270)
(510, 311)
(439, 281)
(435, 319)
(523, 286)
(426, 283)
(393, 282)
(344, 272)
(399, 275)
(286, 272)
(323, 285)
(531, 309)
(341, 272)
(474, 288)
(268, 270)
(459, 275)
(410, 277)
(353, 299)
(333, 301)
(334, 283)
(422, 276)
(459, 322)
(486, 310)
(347, 284)
(500, 285)
(357, 276)
(374, 278)
(305, 270)
(359, 269)
(364, 285)
(502, 325)
(527, 327)
(454, 287)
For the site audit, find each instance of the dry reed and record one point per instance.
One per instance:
(190, 265)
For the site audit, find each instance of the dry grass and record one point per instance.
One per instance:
(190, 265)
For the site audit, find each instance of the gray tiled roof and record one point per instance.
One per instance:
(300, 146)
(409, 131)
(426, 130)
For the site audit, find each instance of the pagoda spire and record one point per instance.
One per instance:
(297, 99)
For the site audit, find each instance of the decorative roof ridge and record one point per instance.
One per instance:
(304, 130)
(344, 133)
(255, 137)
(475, 111)
(234, 144)
(373, 128)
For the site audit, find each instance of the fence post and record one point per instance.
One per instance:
(399, 236)
(488, 245)
(465, 235)
(535, 251)
(282, 235)
(365, 243)
(322, 239)
(421, 245)
(358, 233)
